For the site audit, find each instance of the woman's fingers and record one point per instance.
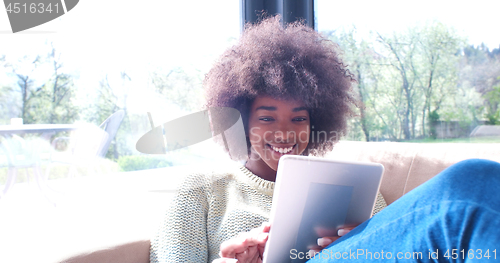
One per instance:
(266, 226)
(248, 245)
(325, 241)
(343, 231)
(241, 243)
(250, 255)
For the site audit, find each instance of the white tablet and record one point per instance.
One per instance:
(313, 197)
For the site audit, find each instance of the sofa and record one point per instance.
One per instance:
(407, 165)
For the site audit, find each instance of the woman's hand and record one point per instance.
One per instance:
(246, 247)
(326, 241)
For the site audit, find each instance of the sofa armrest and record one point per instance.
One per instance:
(432, 158)
(133, 252)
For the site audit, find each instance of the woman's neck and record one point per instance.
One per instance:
(261, 169)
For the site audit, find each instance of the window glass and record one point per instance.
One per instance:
(99, 58)
(426, 71)
(106, 56)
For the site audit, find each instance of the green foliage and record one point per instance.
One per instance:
(180, 87)
(404, 78)
(8, 104)
(493, 119)
(142, 162)
(433, 116)
(493, 105)
(38, 89)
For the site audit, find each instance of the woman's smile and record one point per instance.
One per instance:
(282, 149)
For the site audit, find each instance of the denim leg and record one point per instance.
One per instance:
(453, 217)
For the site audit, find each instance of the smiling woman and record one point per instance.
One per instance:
(277, 128)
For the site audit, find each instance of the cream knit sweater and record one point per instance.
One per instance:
(211, 208)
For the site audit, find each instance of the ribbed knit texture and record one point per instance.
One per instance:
(210, 209)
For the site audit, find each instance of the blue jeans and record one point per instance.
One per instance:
(453, 217)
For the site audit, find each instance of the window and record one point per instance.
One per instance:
(102, 57)
(426, 70)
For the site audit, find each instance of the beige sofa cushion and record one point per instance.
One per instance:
(408, 165)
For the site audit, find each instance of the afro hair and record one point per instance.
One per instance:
(286, 62)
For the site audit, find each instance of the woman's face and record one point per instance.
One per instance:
(276, 127)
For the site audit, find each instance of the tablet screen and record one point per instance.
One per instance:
(320, 218)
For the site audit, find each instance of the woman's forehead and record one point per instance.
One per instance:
(267, 101)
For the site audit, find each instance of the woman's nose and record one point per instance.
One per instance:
(284, 134)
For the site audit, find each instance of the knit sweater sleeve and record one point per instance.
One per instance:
(379, 204)
(182, 235)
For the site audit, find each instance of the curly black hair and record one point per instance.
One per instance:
(286, 62)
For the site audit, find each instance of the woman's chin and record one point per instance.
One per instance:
(273, 164)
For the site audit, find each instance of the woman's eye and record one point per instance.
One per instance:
(266, 119)
(299, 119)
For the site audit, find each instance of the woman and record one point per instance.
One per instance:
(288, 84)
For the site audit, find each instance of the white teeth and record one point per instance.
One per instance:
(282, 150)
